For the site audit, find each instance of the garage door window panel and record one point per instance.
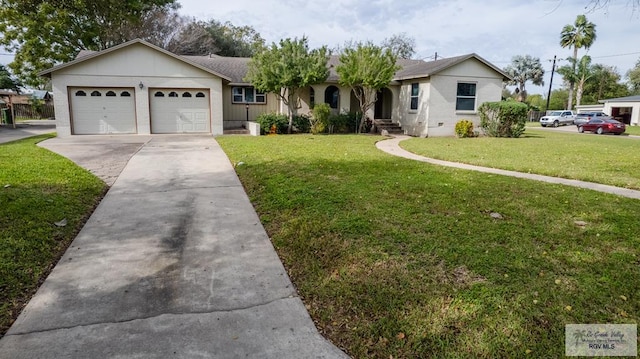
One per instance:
(159, 94)
(96, 94)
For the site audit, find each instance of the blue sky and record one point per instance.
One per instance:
(495, 29)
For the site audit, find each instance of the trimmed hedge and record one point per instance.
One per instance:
(503, 119)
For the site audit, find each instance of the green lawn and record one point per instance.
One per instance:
(399, 258)
(604, 159)
(633, 130)
(37, 189)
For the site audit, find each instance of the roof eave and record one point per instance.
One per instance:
(47, 73)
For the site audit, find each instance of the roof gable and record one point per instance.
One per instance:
(423, 69)
(86, 56)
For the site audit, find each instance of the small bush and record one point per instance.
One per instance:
(266, 120)
(343, 123)
(464, 129)
(301, 123)
(319, 118)
(503, 119)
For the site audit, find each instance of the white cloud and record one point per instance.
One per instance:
(495, 29)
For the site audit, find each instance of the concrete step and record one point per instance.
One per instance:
(236, 131)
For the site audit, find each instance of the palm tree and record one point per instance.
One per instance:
(581, 34)
(523, 69)
(584, 71)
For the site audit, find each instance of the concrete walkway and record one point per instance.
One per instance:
(392, 146)
(174, 263)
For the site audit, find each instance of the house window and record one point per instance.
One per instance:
(415, 90)
(96, 93)
(312, 97)
(332, 96)
(81, 93)
(247, 95)
(466, 97)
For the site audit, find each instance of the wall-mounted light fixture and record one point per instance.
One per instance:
(141, 85)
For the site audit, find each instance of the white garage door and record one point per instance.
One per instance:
(179, 111)
(97, 111)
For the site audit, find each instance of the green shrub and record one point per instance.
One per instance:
(319, 118)
(503, 119)
(301, 123)
(464, 128)
(266, 120)
(343, 123)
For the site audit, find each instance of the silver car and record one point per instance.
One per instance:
(584, 117)
(557, 118)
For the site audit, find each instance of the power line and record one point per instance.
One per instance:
(617, 55)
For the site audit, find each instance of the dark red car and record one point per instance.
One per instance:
(601, 126)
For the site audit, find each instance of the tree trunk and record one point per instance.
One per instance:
(572, 85)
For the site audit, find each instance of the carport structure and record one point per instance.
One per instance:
(624, 109)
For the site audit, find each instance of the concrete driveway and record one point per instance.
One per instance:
(174, 262)
(26, 129)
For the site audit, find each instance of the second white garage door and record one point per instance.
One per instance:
(179, 111)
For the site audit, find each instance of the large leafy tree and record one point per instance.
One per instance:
(286, 68)
(46, 32)
(605, 82)
(523, 69)
(581, 34)
(214, 37)
(235, 41)
(401, 45)
(366, 69)
(633, 76)
(8, 82)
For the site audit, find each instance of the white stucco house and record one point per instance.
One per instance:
(139, 88)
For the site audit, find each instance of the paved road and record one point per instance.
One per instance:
(26, 129)
(174, 263)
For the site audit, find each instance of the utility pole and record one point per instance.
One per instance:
(553, 69)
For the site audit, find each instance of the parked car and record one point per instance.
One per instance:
(584, 117)
(557, 118)
(600, 126)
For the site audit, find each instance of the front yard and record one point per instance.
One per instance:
(604, 159)
(396, 258)
(37, 189)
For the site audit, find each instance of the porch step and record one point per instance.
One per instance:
(391, 127)
(236, 131)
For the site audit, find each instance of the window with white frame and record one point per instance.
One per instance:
(466, 97)
(248, 95)
(415, 91)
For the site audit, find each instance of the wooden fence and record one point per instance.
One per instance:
(28, 111)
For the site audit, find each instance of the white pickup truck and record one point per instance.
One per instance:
(557, 118)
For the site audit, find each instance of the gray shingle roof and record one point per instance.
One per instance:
(623, 99)
(234, 69)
